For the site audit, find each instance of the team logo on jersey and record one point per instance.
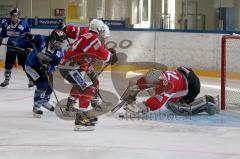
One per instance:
(20, 27)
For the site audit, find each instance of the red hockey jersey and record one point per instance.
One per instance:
(172, 88)
(74, 32)
(86, 50)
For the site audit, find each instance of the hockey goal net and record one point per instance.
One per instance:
(230, 72)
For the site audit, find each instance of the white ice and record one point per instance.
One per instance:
(198, 137)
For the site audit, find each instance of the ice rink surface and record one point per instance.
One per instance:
(196, 137)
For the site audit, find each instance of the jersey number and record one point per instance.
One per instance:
(172, 74)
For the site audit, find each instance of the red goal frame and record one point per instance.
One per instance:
(223, 67)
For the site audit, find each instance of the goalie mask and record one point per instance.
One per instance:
(154, 76)
(57, 39)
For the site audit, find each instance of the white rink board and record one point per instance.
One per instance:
(196, 50)
(142, 48)
(200, 51)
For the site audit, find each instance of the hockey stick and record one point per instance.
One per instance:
(97, 75)
(50, 84)
(49, 81)
(15, 47)
(122, 103)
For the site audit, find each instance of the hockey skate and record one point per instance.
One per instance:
(65, 110)
(5, 83)
(83, 122)
(37, 112)
(48, 107)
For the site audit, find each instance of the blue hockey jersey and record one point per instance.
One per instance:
(43, 54)
(16, 33)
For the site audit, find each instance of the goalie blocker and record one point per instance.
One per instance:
(176, 90)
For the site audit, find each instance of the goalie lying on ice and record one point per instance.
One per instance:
(177, 90)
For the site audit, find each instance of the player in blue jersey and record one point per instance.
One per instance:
(41, 63)
(16, 31)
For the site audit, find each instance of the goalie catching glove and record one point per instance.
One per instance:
(129, 96)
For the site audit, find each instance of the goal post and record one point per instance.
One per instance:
(230, 72)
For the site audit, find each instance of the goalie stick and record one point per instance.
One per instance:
(118, 106)
(122, 103)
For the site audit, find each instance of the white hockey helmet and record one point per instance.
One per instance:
(105, 34)
(96, 26)
(107, 31)
(100, 28)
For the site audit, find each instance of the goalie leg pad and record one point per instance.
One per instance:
(203, 104)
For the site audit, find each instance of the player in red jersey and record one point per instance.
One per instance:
(176, 90)
(84, 52)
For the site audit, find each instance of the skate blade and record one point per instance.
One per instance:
(3, 87)
(37, 115)
(32, 87)
(83, 128)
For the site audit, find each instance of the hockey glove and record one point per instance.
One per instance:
(114, 57)
(43, 67)
(30, 37)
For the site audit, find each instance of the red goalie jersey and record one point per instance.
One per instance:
(169, 86)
